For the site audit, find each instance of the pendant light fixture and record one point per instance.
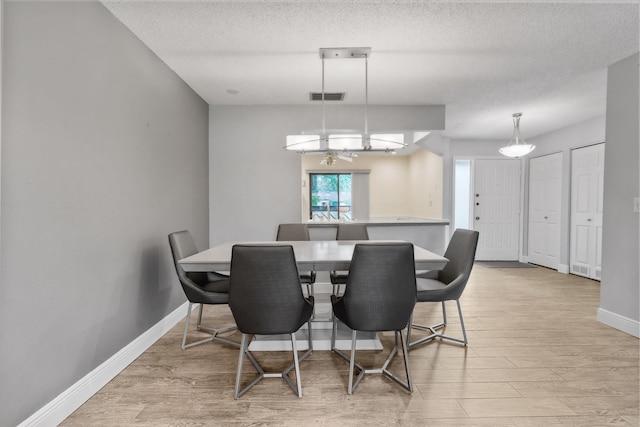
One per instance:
(517, 147)
(347, 143)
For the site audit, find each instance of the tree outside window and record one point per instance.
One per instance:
(330, 196)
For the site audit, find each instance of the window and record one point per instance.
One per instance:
(462, 193)
(330, 196)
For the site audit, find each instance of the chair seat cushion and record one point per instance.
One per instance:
(427, 274)
(216, 292)
(212, 276)
(308, 278)
(431, 290)
(338, 278)
(217, 286)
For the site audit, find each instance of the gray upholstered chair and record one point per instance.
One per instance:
(266, 299)
(379, 296)
(350, 231)
(447, 284)
(199, 288)
(298, 233)
(346, 232)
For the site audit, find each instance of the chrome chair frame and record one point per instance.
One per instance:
(434, 329)
(199, 327)
(244, 350)
(408, 385)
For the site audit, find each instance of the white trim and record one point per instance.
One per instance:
(622, 323)
(563, 268)
(54, 412)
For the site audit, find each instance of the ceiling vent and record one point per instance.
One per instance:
(317, 96)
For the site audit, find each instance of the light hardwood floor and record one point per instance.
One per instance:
(536, 357)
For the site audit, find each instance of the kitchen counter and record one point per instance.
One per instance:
(382, 221)
(431, 234)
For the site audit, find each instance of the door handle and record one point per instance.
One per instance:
(477, 218)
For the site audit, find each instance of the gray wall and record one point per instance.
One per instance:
(255, 182)
(620, 245)
(104, 152)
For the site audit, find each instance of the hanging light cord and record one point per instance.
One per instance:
(366, 94)
(323, 114)
(516, 128)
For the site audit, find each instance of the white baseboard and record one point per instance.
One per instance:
(562, 268)
(622, 323)
(54, 412)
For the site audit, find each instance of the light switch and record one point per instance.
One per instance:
(636, 204)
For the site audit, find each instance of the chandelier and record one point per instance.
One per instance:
(345, 144)
(517, 147)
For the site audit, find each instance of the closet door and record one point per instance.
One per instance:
(545, 180)
(587, 179)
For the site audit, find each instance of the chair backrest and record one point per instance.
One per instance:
(461, 253)
(182, 245)
(265, 295)
(381, 288)
(293, 232)
(352, 232)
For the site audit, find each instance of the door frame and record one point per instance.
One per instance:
(523, 215)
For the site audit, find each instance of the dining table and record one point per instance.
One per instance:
(319, 256)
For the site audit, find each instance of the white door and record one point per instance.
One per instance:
(587, 184)
(545, 180)
(497, 209)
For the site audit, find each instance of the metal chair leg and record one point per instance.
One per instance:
(334, 331)
(186, 329)
(199, 324)
(434, 329)
(405, 354)
(297, 388)
(444, 314)
(408, 385)
(296, 363)
(464, 331)
(243, 347)
(214, 332)
(353, 365)
(352, 360)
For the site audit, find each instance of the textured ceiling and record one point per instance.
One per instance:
(483, 60)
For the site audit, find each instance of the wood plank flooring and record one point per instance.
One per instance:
(536, 357)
